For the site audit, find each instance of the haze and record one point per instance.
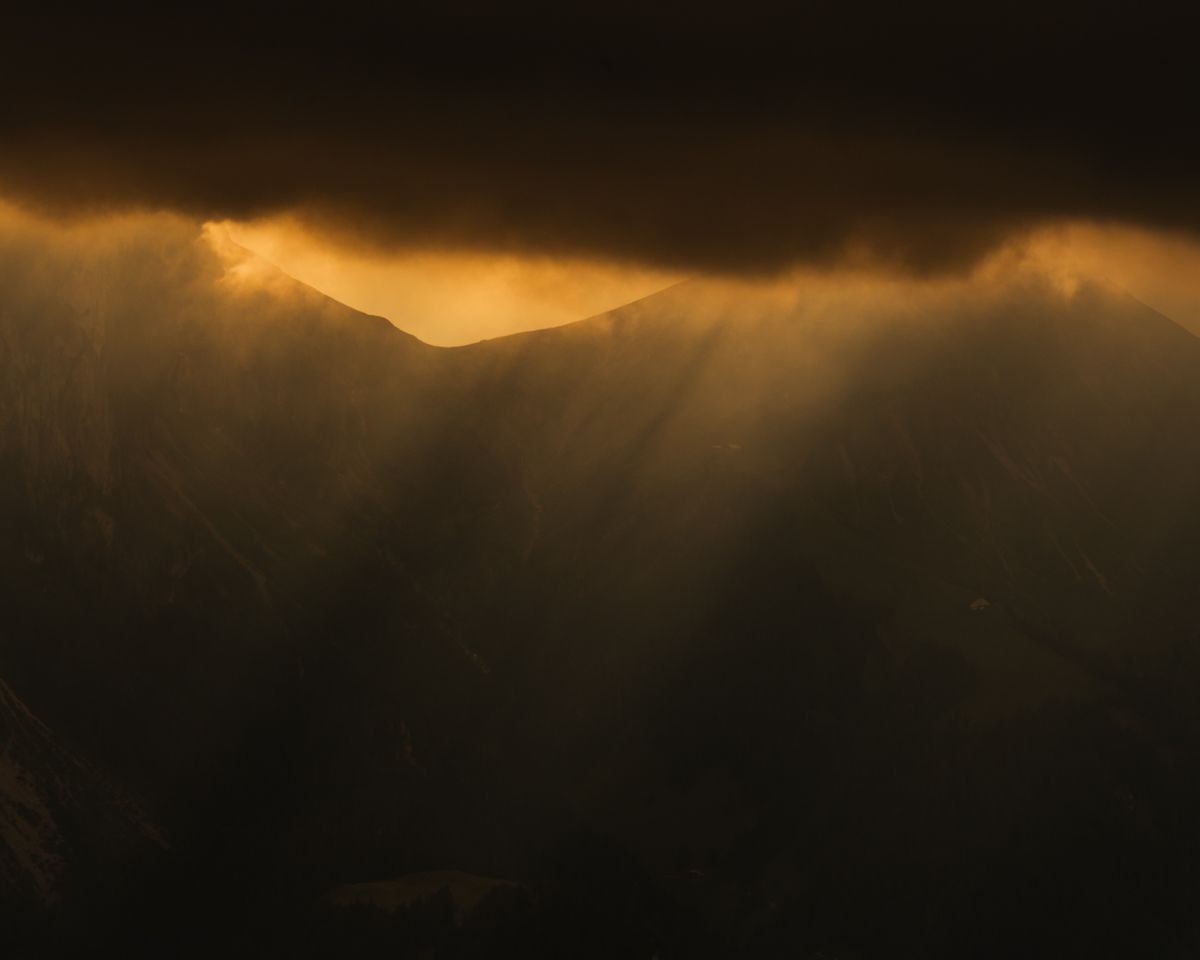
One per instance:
(699, 483)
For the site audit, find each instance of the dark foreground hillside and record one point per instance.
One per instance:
(725, 624)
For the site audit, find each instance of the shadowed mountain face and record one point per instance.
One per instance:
(54, 810)
(723, 624)
(68, 837)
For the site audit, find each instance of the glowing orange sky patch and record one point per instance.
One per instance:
(450, 298)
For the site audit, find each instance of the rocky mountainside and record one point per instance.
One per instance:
(57, 814)
(31, 783)
(855, 622)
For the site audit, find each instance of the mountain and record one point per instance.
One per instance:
(31, 783)
(777, 620)
(61, 821)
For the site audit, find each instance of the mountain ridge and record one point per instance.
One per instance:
(722, 578)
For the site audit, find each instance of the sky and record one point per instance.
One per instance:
(541, 165)
(448, 298)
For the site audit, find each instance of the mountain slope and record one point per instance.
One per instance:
(856, 622)
(56, 813)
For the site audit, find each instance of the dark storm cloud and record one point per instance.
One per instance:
(739, 140)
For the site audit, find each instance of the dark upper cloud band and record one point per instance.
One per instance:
(738, 140)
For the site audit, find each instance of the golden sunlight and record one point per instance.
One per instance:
(1161, 269)
(449, 298)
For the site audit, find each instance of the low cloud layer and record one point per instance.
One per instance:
(694, 141)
